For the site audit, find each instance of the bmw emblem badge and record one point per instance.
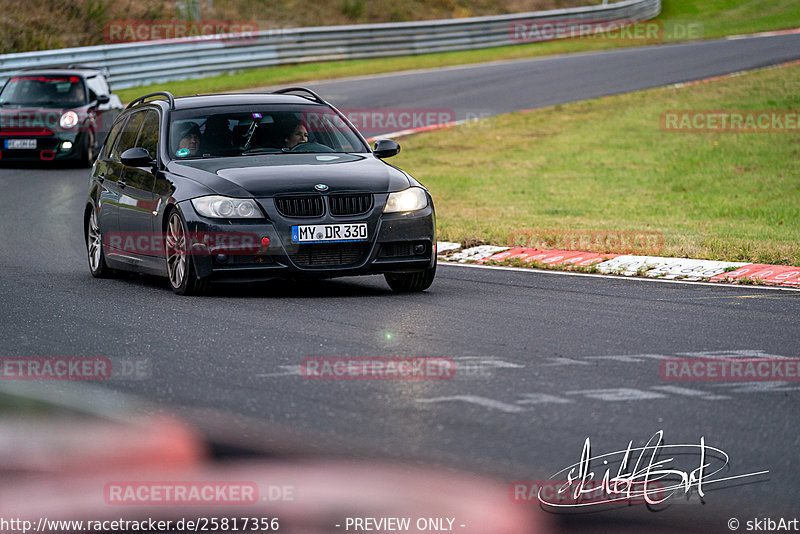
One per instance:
(321, 187)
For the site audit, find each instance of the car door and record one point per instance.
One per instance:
(139, 204)
(106, 174)
(115, 180)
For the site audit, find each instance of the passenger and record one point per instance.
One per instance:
(297, 133)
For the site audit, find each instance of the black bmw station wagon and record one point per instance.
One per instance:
(248, 187)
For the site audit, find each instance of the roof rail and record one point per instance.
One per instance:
(313, 96)
(141, 99)
(67, 66)
(102, 69)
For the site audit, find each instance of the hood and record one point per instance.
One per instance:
(287, 173)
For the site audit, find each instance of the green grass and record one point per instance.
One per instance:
(605, 165)
(731, 17)
(715, 18)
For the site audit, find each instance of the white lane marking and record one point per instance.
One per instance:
(481, 366)
(486, 362)
(558, 361)
(688, 392)
(745, 287)
(617, 394)
(614, 395)
(288, 370)
(630, 358)
(542, 398)
(474, 399)
(758, 387)
(725, 354)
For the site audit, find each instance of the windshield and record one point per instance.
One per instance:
(245, 130)
(44, 91)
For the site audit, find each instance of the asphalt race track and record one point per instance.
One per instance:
(474, 91)
(545, 360)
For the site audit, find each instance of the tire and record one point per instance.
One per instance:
(180, 267)
(88, 150)
(94, 248)
(411, 282)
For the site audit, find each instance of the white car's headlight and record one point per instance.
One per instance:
(68, 120)
(219, 207)
(410, 199)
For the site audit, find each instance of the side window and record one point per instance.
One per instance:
(97, 86)
(148, 137)
(130, 132)
(112, 139)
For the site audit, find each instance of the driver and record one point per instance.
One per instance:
(298, 134)
(189, 143)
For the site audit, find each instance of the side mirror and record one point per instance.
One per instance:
(103, 99)
(137, 157)
(386, 148)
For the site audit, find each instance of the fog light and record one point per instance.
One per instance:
(66, 145)
(419, 249)
(222, 258)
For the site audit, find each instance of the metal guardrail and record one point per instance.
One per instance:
(147, 62)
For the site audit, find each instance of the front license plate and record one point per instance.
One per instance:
(21, 143)
(327, 233)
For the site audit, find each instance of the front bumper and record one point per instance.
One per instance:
(233, 251)
(48, 147)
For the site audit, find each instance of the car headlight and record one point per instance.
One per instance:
(68, 120)
(410, 199)
(219, 207)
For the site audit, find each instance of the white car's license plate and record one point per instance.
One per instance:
(327, 233)
(21, 143)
